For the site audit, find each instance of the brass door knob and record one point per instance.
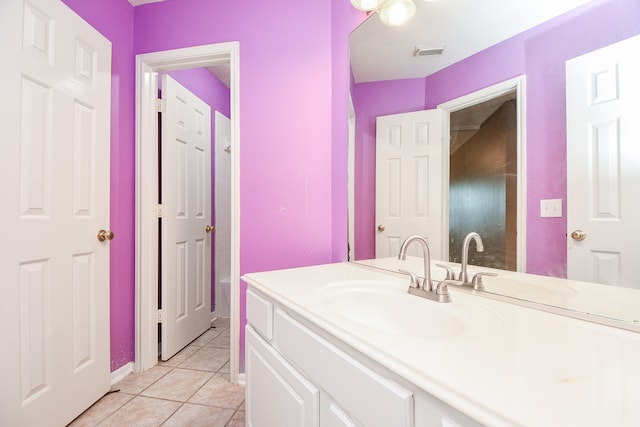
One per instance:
(578, 235)
(381, 227)
(105, 235)
(209, 229)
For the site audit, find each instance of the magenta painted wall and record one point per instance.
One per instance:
(286, 113)
(344, 19)
(371, 100)
(114, 19)
(540, 54)
(293, 113)
(206, 87)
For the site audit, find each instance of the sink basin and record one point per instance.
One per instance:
(389, 308)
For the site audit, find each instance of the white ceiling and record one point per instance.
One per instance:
(462, 27)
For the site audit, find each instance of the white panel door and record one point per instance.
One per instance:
(603, 164)
(409, 180)
(186, 199)
(54, 161)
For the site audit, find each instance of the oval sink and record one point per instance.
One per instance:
(390, 308)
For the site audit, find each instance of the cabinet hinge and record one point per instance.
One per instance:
(159, 210)
(159, 105)
(160, 315)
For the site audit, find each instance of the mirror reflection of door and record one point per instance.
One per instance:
(483, 181)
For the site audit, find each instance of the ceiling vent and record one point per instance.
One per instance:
(428, 52)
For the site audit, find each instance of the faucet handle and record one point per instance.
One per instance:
(477, 280)
(442, 290)
(450, 273)
(415, 280)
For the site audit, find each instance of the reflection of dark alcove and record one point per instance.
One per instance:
(482, 183)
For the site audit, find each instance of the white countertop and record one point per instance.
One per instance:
(511, 366)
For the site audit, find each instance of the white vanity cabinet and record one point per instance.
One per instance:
(298, 376)
(277, 394)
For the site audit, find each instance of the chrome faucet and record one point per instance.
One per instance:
(426, 256)
(426, 289)
(464, 276)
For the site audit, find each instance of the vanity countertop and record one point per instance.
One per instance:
(511, 365)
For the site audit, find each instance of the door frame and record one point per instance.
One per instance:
(146, 189)
(482, 95)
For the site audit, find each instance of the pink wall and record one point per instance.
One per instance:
(293, 128)
(206, 87)
(344, 19)
(540, 54)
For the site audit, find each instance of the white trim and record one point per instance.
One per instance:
(517, 83)
(214, 317)
(120, 373)
(351, 183)
(242, 379)
(147, 67)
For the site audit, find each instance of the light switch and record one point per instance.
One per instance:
(551, 208)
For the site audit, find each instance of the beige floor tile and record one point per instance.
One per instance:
(221, 323)
(207, 359)
(102, 409)
(135, 383)
(142, 412)
(181, 356)
(199, 416)
(179, 384)
(206, 337)
(221, 341)
(218, 391)
(226, 369)
(238, 420)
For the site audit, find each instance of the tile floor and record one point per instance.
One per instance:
(190, 389)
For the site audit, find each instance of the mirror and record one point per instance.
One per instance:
(480, 50)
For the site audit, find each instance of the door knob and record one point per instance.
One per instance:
(209, 229)
(381, 227)
(578, 235)
(105, 235)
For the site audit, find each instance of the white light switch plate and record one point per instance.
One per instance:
(551, 208)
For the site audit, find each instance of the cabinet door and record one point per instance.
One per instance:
(332, 415)
(372, 399)
(277, 395)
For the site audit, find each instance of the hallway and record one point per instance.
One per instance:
(190, 389)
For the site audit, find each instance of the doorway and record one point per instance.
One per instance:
(480, 169)
(482, 181)
(147, 209)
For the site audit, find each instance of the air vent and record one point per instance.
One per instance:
(428, 52)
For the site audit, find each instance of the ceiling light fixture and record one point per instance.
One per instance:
(367, 5)
(390, 12)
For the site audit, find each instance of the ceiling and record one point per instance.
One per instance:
(461, 27)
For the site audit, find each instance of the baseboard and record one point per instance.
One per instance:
(120, 373)
(241, 379)
(214, 316)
